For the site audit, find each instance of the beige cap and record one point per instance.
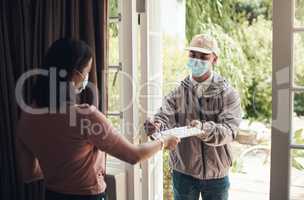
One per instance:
(204, 43)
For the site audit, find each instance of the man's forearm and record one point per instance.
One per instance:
(162, 120)
(217, 134)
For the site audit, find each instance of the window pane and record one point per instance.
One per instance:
(113, 44)
(299, 13)
(299, 59)
(298, 119)
(113, 80)
(116, 122)
(113, 6)
(114, 104)
(297, 175)
(114, 91)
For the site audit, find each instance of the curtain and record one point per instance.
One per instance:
(27, 29)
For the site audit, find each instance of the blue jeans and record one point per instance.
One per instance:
(186, 187)
(50, 195)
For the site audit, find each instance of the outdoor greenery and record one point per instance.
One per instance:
(296, 154)
(299, 12)
(299, 71)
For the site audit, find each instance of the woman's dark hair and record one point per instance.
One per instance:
(63, 57)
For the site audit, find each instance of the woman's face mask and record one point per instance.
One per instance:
(83, 85)
(198, 67)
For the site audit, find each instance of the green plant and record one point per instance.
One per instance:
(167, 194)
(113, 12)
(299, 73)
(226, 13)
(237, 166)
(299, 80)
(174, 64)
(297, 156)
(218, 12)
(252, 9)
(299, 104)
(256, 42)
(299, 14)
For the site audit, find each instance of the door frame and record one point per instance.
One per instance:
(283, 89)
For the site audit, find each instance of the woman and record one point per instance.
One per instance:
(66, 146)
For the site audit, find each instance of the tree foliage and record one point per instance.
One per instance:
(299, 12)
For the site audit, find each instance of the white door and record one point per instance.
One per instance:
(151, 91)
(287, 178)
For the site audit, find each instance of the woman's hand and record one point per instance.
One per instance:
(170, 142)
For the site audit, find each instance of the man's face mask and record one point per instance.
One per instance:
(83, 85)
(198, 67)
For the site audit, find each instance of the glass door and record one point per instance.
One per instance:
(287, 163)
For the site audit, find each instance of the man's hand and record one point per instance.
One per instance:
(197, 124)
(170, 142)
(151, 126)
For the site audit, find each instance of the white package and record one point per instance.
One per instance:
(180, 132)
